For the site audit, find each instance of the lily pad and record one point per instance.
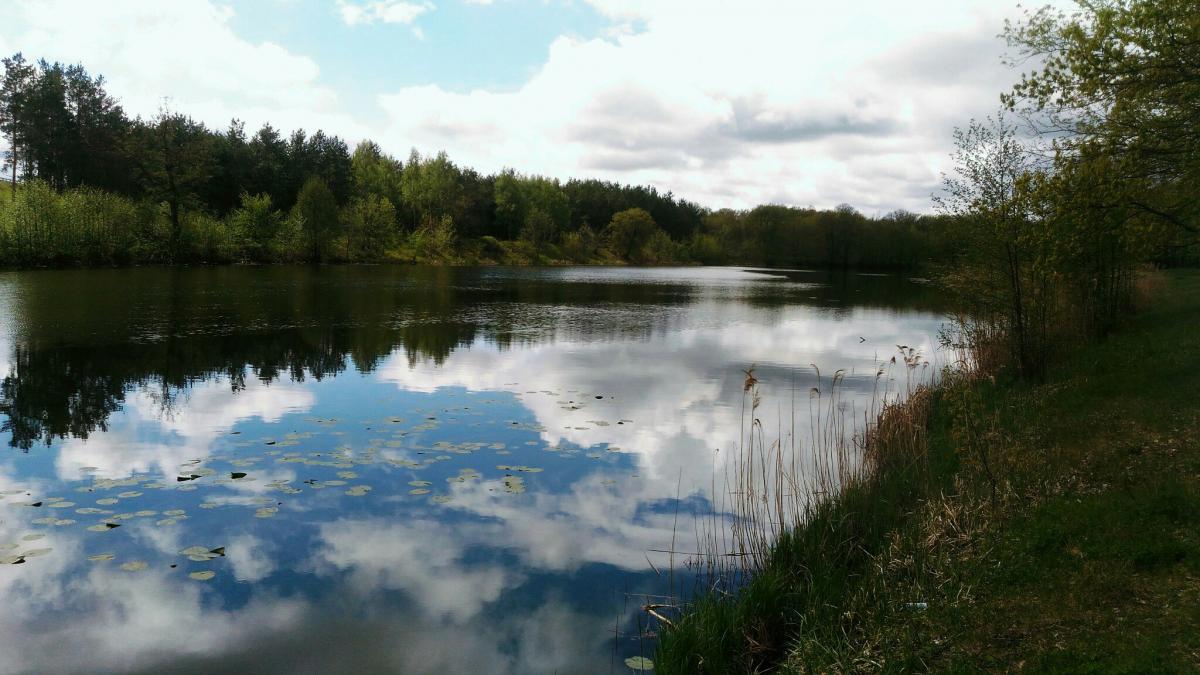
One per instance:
(204, 575)
(135, 566)
(102, 557)
(639, 663)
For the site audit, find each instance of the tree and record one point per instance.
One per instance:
(629, 232)
(510, 204)
(375, 174)
(14, 90)
(173, 158)
(317, 212)
(1001, 275)
(539, 228)
(370, 227)
(259, 223)
(1121, 78)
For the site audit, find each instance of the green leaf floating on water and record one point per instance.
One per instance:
(135, 566)
(640, 663)
(204, 575)
(201, 554)
(522, 469)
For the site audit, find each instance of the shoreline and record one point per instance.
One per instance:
(1039, 525)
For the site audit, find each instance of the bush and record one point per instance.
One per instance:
(581, 245)
(435, 239)
(258, 225)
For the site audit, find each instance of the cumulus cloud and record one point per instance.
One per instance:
(185, 51)
(385, 11)
(804, 103)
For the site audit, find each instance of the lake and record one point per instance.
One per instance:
(334, 469)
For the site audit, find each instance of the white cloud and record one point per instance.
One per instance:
(737, 103)
(384, 11)
(185, 51)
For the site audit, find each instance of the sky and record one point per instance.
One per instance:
(730, 104)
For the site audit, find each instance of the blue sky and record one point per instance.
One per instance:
(460, 45)
(800, 102)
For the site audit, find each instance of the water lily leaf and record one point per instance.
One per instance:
(204, 575)
(639, 663)
(514, 484)
(107, 501)
(102, 557)
(129, 495)
(418, 491)
(61, 505)
(103, 527)
(135, 566)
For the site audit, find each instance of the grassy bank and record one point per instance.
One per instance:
(1051, 527)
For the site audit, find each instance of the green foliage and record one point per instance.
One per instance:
(259, 225)
(82, 227)
(435, 240)
(539, 228)
(580, 246)
(174, 160)
(1121, 77)
(317, 213)
(370, 227)
(629, 232)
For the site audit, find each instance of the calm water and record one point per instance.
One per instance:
(405, 469)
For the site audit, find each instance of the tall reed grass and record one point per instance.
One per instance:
(797, 516)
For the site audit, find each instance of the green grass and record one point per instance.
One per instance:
(1087, 559)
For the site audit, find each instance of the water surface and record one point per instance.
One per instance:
(384, 468)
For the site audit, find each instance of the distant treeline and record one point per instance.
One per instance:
(95, 187)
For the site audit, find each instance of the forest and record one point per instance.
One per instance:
(91, 186)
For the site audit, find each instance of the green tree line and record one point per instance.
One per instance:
(95, 187)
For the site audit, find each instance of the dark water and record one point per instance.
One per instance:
(405, 469)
